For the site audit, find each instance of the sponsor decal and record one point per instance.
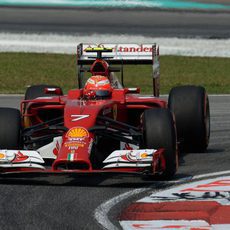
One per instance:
(219, 185)
(126, 48)
(2, 156)
(19, 157)
(144, 155)
(76, 138)
(126, 51)
(74, 146)
(77, 133)
(216, 190)
(134, 49)
(78, 117)
(181, 196)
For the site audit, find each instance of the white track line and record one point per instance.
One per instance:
(101, 212)
(202, 176)
(219, 95)
(53, 43)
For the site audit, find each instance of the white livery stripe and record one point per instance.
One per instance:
(24, 165)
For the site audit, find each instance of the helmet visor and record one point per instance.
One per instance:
(103, 93)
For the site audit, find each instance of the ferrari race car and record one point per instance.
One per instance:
(104, 126)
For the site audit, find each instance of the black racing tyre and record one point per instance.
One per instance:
(159, 132)
(10, 128)
(35, 91)
(190, 106)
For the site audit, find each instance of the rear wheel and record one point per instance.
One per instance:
(38, 91)
(10, 128)
(190, 106)
(159, 132)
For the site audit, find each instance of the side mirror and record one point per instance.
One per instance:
(133, 90)
(55, 91)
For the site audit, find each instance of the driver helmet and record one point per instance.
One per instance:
(98, 87)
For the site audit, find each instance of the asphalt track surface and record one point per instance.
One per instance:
(63, 202)
(151, 22)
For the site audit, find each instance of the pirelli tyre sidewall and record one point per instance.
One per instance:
(159, 132)
(35, 91)
(10, 128)
(190, 106)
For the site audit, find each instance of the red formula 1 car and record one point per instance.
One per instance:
(104, 126)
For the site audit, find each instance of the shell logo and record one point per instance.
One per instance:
(144, 155)
(77, 132)
(2, 155)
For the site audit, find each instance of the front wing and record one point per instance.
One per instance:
(144, 161)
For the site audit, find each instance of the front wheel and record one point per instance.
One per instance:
(10, 128)
(159, 132)
(190, 106)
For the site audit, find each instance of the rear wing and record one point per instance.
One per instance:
(121, 54)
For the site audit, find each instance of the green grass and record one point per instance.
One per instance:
(19, 70)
